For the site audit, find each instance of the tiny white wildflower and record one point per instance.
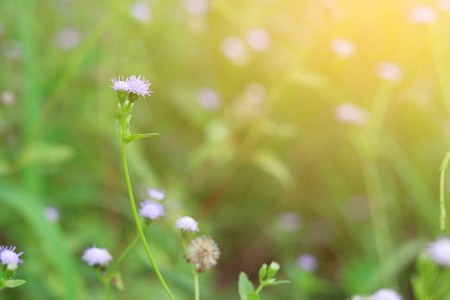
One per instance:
(68, 38)
(423, 14)
(152, 210)
(141, 11)
(386, 294)
(155, 194)
(96, 256)
(288, 221)
(343, 48)
(51, 214)
(258, 39)
(440, 251)
(307, 262)
(8, 256)
(350, 113)
(209, 99)
(390, 71)
(187, 224)
(196, 7)
(119, 84)
(139, 86)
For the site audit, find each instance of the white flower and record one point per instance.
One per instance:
(51, 214)
(196, 7)
(68, 38)
(350, 113)
(307, 262)
(390, 71)
(343, 48)
(258, 39)
(440, 252)
(386, 294)
(209, 99)
(8, 256)
(235, 49)
(119, 84)
(141, 11)
(138, 86)
(155, 194)
(187, 224)
(151, 210)
(288, 221)
(96, 256)
(423, 15)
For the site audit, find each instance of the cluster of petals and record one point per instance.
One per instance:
(439, 251)
(187, 224)
(136, 85)
(155, 194)
(96, 256)
(151, 209)
(8, 256)
(203, 252)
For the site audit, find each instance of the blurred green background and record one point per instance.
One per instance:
(281, 131)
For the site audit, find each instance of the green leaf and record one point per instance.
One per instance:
(139, 136)
(117, 280)
(117, 125)
(46, 153)
(13, 283)
(262, 272)
(253, 296)
(273, 269)
(245, 286)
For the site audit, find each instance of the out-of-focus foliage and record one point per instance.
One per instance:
(280, 132)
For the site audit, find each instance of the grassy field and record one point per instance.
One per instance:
(307, 132)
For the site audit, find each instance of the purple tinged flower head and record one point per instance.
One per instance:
(187, 224)
(440, 252)
(96, 256)
(119, 84)
(139, 86)
(307, 262)
(8, 256)
(152, 210)
(386, 294)
(155, 194)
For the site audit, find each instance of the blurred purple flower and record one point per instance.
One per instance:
(152, 210)
(155, 194)
(51, 214)
(307, 262)
(8, 256)
(96, 256)
(440, 252)
(209, 99)
(187, 224)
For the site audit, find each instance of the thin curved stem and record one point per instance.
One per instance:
(138, 224)
(107, 289)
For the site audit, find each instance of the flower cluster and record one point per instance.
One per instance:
(203, 252)
(8, 256)
(187, 224)
(96, 257)
(134, 86)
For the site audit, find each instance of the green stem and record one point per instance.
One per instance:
(122, 256)
(259, 289)
(197, 288)
(107, 289)
(138, 224)
(442, 189)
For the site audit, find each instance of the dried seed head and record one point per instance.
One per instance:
(203, 252)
